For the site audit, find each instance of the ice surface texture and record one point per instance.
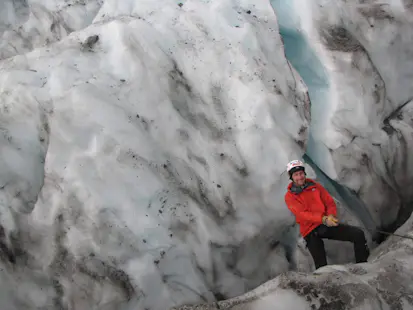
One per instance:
(142, 158)
(355, 58)
(382, 283)
(143, 147)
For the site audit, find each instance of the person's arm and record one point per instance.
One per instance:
(328, 201)
(297, 209)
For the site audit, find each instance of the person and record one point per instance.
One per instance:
(316, 214)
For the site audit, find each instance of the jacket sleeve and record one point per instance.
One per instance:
(328, 200)
(297, 209)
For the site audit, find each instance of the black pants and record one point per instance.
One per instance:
(341, 232)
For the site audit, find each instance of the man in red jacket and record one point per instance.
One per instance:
(316, 213)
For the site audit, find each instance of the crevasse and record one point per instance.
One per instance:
(305, 60)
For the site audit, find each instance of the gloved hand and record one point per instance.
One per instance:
(330, 220)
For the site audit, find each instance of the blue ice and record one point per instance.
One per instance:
(308, 65)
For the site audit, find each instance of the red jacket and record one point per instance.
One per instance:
(309, 205)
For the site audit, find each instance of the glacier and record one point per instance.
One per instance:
(354, 58)
(144, 143)
(382, 283)
(143, 156)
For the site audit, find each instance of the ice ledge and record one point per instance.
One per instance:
(384, 282)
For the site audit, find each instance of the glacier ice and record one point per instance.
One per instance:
(143, 153)
(382, 283)
(304, 58)
(306, 61)
(310, 68)
(364, 113)
(29, 24)
(355, 60)
(143, 146)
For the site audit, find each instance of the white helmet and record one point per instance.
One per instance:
(297, 164)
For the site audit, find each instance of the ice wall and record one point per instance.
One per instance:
(143, 156)
(143, 146)
(376, 165)
(382, 283)
(354, 59)
(29, 24)
(305, 60)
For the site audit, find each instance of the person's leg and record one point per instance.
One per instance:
(350, 233)
(315, 246)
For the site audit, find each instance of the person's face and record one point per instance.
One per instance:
(299, 177)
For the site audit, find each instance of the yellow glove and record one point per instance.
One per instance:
(330, 220)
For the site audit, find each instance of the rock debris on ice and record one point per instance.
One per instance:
(382, 283)
(143, 146)
(143, 154)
